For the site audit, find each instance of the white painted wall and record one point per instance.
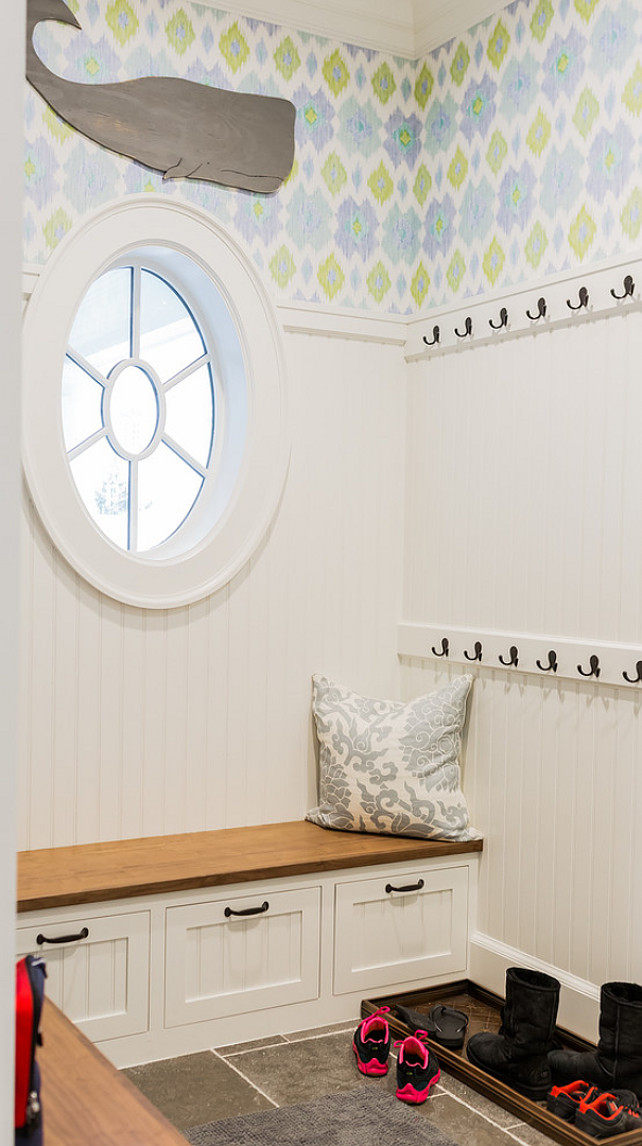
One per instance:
(137, 723)
(11, 95)
(523, 514)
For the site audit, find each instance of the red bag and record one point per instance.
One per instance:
(30, 991)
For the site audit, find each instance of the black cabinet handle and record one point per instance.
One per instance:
(40, 939)
(248, 910)
(409, 887)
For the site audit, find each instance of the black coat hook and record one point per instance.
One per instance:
(541, 310)
(468, 328)
(478, 653)
(435, 337)
(584, 297)
(552, 663)
(594, 669)
(634, 679)
(514, 659)
(445, 648)
(629, 287)
(503, 320)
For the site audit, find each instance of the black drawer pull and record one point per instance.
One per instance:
(248, 910)
(40, 939)
(409, 887)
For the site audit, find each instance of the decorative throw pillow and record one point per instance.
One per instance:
(390, 767)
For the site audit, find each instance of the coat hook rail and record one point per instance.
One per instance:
(445, 648)
(435, 337)
(629, 287)
(541, 311)
(616, 665)
(468, 328)
(583, 303)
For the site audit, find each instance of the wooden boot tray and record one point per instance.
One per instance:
(483, 1010)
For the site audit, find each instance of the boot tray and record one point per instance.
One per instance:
(483, 1010)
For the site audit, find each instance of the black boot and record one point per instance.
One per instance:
(517, 1055)
(617, 1062)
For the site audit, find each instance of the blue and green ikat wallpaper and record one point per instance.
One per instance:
(508, 154)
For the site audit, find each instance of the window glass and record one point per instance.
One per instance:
(169, 337)
(102, 332)
(81, 404)
(102, 480)
(167, 490)
(188, 406)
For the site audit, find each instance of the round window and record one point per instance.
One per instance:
(155, 441)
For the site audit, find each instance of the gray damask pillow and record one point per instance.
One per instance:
(390, 767)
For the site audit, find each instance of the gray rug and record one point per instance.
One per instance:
(359, 1118)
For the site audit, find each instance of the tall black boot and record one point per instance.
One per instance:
(518, 1054)
(617, 1062)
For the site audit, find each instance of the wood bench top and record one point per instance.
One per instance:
(90, 873)
(86, 1100)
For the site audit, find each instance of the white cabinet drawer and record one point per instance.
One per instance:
(385, 936)
(100, 980)
(220, 964)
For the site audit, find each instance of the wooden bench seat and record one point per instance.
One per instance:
(90, 873)
(150, 1007)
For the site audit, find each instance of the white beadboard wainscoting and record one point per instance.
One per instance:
(524, 516)
(139, 722)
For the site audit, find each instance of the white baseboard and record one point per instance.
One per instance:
(579, 999)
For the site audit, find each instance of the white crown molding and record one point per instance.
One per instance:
(443, 20)
(367, 23)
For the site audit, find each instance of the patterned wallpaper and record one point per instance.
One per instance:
(510, 153)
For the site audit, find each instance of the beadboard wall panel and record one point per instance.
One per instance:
(135, 723)
(551, 772)
(522, 516)
(522, 508)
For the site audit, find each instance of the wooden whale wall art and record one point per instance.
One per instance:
(184, 129)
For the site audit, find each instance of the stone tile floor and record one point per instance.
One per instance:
(286, 1069)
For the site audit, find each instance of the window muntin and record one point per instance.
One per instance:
(138, 408)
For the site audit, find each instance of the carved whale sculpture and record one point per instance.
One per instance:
(184, 129)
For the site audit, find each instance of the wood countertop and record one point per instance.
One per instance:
(91, 873)
(86, 1100)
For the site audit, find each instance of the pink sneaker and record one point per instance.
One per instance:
(371, 1043)
(417, 1068)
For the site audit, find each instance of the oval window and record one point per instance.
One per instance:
(154, 414)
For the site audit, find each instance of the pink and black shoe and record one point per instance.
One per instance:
(371, 1043)
(565, 1100)
(417, 1068)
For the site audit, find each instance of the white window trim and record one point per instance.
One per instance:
(161, 580)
